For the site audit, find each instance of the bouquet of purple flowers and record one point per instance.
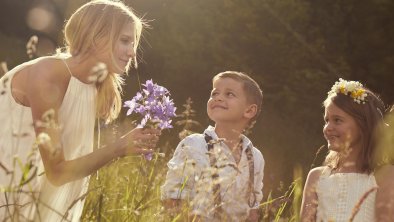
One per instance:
(154, 104)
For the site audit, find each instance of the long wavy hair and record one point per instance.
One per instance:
(92, 25)
(369, 119)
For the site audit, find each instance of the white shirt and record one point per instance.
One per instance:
(189, 177)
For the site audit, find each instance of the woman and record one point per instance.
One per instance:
(55, 99)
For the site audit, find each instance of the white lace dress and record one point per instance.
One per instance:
(339, 193)
(76, 118)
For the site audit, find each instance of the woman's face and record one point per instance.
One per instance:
(340, 130)
(124, 48)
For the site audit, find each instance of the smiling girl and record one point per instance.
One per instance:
(347, 188)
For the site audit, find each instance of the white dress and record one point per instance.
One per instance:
(339, 193)
(76, 118)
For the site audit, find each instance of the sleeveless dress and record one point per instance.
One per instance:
(39, 200)
(339, 193)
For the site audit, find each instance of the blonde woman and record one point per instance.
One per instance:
(53, 98)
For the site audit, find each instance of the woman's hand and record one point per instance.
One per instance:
(139, 141)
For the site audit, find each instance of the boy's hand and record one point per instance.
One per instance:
(253, 215)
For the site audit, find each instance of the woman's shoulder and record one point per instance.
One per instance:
(49, 68)
(48, 81)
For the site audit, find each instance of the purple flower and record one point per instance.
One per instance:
(148, 156)
(154, 104)
(131, 104)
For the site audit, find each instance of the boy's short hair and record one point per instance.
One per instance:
(252, 89)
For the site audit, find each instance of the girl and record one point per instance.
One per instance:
(54, 98)
(351, 186)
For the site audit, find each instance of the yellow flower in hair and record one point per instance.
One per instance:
(353, 89)
(358, 93)
(342, 89)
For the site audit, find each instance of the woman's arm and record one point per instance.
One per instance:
(45, 92)
(384, 204)
(309, 198)
(60, 171)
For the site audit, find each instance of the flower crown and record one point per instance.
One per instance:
(353, 89)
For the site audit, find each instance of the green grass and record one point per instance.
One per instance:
(129, 190)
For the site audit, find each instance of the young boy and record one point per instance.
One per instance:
(220, 173)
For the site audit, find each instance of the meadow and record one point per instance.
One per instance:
(295, 49)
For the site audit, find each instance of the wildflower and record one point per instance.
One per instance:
(43, 138)
(31, 47)
(3, 68)
(98, 73)
(353, 89)
(149, 156)
(47, 120)
(155, 106)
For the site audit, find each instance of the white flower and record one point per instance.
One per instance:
(98, 73)
(43, 138)
(353, 89)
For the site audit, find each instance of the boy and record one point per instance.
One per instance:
(220, 173)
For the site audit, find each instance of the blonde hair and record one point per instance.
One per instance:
(96, 23)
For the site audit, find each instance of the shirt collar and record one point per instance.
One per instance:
(210, 130)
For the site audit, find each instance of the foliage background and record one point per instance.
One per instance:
(295, 49)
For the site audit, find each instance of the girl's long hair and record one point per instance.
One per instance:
(369, 119)
(96, 26)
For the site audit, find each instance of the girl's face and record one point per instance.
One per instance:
(341, 130)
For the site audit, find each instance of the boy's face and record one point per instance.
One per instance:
(228, 102)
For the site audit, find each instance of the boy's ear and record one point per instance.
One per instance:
(251, 111)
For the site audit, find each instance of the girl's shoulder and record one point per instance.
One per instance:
(315, 173)
(313, 178)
